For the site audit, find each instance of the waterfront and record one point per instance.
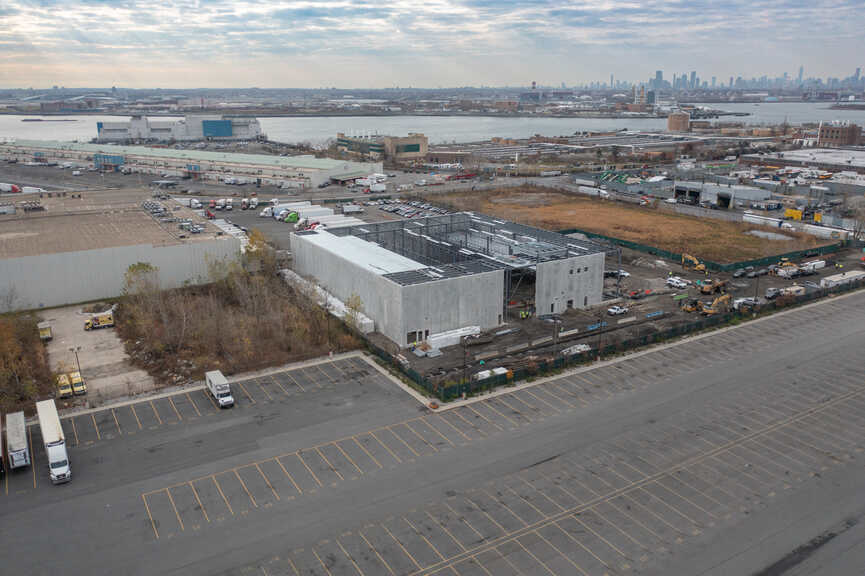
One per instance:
(440, 129)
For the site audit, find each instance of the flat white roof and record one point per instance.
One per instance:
(365, 254)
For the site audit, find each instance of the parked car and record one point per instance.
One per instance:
(739, 273)
(762, 272)
(677, 283)
(772, 293)
(617, 310)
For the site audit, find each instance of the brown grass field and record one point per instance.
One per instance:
(706, 238)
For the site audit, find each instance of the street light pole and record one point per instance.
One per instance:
(75, 350)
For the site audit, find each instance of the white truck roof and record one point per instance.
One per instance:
(16, 432)
(49, 422)
(216, 377)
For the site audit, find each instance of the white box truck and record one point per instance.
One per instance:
(218, 387)
(17, 449)
(54, 441)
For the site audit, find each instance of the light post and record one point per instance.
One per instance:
(75, 349)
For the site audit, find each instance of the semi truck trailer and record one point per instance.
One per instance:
(17, 449)
(54, 442)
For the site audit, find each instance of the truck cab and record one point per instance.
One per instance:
(104, 320)
(219, 388)
(64, 388)
(79, 387)
(58, 464)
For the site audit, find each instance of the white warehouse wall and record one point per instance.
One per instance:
(578, 278)
(70, 277)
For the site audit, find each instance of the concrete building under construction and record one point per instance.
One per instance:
(423, 277)
(193, 127)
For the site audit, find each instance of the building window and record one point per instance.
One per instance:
(572, 270)
(585, 301)
(411, 337)
(552, 307)
(570, 304)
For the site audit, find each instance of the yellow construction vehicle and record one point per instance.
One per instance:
(693, 263)
(713, 287)
(101, 320)
(64, 388)
(693, 305)
(720, 305)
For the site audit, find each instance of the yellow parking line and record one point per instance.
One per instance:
(221, 493)
(191, 401)
(422, 439)
(520, 412)
(361, 446)
(532, 506)
(134, 413)
(559, 486)
(279, 384)
(581, 545)
(508, 562)
(335, 364)
(200, 505)
(493, 408)
(176, 513)
(347, 555)
(248, 493)
(116, 422)
(296, 383)
(266, 393)
(678, 478)
(397, 458)
(601, 538)
(469, 424)
(176, 412)
(484, 512)
(329, 465)
(209, 396)
(293, 567)
(538, 560)
(401, 546)
(671, 507)
(604, 518)
(320, 561)
(320, 369)
(242, 387)
(267, 481)
(496, 424)
(464, 521)
(505, 506)
(562, 388)
(425, 539)
(314, 477)
(634, 520)
(562, 554)
(448, 532)
(293, 483)
(478, 563)
(98, 435)
(313, 380)
(532, 486)
(149, 515)
(556, 396)
(375, 551)
(74, 431)
(458, 431)
(347, 457)
(398, 437)
(155, 413)
(434, 429)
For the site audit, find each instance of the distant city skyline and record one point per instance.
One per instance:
(421, 43)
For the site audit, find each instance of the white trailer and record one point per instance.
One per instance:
(314, 211)
(54, 442)
(17, 449)
(219, 388)
(842, 279)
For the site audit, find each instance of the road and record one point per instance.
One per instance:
(739, 452)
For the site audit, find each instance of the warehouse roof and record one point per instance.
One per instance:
(848, 157)
(305, 162)
(361, 253)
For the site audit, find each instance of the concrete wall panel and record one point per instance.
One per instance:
(579, 279)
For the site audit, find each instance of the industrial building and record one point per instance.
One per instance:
(78, 249)
(288, 171)
(394, 148)
(418, 278)
(838, 134)
(830, 159)
(679, 122)
(193, 127)
(721, 195)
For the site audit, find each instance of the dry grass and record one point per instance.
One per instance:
(708, 239)
(24, 373)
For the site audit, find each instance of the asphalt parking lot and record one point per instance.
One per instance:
(671, 461)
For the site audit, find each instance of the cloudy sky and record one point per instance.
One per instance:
(424, 43)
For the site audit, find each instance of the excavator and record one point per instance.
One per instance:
(713, 287)
(720, 305)
(691, 262)
(693, 305)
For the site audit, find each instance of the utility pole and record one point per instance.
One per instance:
(75, 350)
(600, 331)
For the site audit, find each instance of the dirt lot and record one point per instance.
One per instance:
(105, 365)
(708, 239)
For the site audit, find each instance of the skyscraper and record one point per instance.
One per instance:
(611, 82)
(713, 82)
(801, 70)
(693, 83)
(659, 79)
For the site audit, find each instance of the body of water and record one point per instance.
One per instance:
(439, 129)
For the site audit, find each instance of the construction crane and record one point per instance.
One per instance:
(718, 306)
(695, 264)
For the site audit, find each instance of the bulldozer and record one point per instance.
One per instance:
(713, 287)
(691, 263)
(720, 305)
(692, 305)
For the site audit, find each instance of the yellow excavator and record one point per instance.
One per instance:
(713, 287)
(720, 305)
(691, 262)
(692, 305)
